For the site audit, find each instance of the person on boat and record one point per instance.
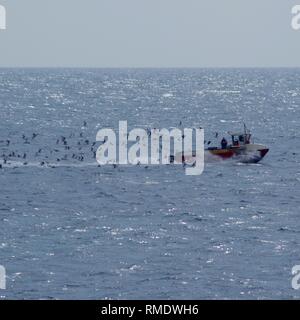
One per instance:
(224, 143)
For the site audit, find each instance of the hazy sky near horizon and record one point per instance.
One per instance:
(149, 33)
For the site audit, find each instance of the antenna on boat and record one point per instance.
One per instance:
(245, 128)
(247, 134)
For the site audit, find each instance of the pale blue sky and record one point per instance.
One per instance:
(149, 33)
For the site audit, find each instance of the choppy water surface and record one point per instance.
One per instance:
(72, 230)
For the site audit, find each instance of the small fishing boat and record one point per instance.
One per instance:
(241, 148)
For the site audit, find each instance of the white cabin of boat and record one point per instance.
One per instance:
(240, 138)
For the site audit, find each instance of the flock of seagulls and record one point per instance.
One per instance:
(76, 147)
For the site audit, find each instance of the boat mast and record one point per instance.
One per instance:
(245, 128)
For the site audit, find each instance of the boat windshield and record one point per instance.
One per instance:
(240, 139)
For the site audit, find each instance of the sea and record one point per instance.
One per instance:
(70, 229)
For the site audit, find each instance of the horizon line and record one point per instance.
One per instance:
(148, 67)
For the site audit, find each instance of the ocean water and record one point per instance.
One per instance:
(72, 230)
